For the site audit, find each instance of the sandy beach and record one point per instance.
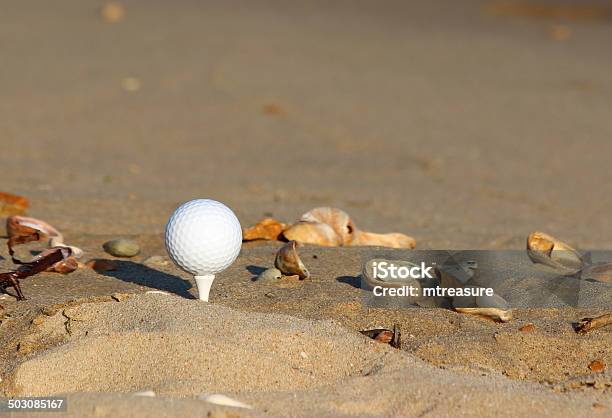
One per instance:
(466, 125)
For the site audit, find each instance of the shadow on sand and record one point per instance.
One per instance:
(131, 272)
(354, 281)
(255, 271)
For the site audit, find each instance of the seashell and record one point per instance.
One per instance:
(326, 226)
(270, 275)
(369, 281)
(220, 399)
(545, 249)
(338, 220)
(67, 265)
(266, 229)
(21, 226)
(457, 274)
(11, 204)
(313, 233)
(145, 393)
(598, 272)
(392, 240)
(386, 336)
(288, 261)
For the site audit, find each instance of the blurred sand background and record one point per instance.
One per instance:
(439, 119)
(464, 124)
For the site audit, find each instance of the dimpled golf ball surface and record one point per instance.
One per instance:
(203, 236)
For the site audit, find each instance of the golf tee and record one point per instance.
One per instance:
(204, 283)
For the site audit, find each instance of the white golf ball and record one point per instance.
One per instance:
(203, 237)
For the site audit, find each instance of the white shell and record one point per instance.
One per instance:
(220, 399)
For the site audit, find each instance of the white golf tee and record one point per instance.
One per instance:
(204, 283)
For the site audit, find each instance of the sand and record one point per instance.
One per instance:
(279, 364)
(463, 124)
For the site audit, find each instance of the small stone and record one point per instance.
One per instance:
(597, 366)
(38, 320)
(112, 12)
(527, 328)
(270, 275)
(131, 84)
(303, 355)
(156, 260)
(122, 248)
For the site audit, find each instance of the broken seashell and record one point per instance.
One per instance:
(288, 261)
(327, 226)
(67, 265)
(338, 220)
(598, 272)
(392, 240)
(266, 229)
(270, 275)
(386, 336)
(23, 226)
(145, 393)
(492, 313)
(11, 204)
(220, 399)
(545, 249)
(313, 233)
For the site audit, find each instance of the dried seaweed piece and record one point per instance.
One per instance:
(386, 336)
(289, 263)
(589, 324)
(266, 229)
(42, 262)
(11, 204)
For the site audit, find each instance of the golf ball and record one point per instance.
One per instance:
(203, 237)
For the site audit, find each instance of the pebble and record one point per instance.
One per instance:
(269, 275)
(112, 12)
(156, 260)
(597, 366)
(122, 248)
(527, 328)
